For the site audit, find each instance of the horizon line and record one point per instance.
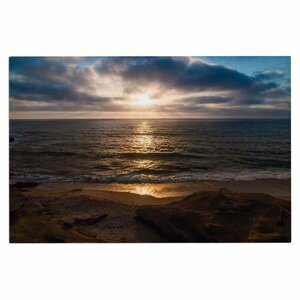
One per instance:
(216, 118)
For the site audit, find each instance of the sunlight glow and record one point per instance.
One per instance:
(142, 100)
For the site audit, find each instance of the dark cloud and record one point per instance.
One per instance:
(37, 68)
(205, 100)
(62, 106)
(231, 101)
(52, 80)
(248, 101)
(51, 93)
(177, 73)
(240, 111)
(252, 112)
(187, 75)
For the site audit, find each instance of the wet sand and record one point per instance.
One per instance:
(83, 212)
(280, 188)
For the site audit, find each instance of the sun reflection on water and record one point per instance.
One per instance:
(143, 190)
(143, 141)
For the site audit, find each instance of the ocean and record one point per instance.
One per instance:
(149, 151)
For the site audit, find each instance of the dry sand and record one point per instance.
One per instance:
(82, 212)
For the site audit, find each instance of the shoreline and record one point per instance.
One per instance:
(280, 188)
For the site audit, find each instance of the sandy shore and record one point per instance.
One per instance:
(83, 212)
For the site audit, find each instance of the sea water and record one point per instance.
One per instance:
(149, 151)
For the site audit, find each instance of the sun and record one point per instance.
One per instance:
(142, 100)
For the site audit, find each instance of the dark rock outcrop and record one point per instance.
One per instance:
(30, 224)
(220, 217)
(22, 185)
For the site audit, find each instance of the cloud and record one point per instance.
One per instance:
(178, 73)
(46, 92)
(205, 100)
(186, 74)
(177, 84)
(268, 75)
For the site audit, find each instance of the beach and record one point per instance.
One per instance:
(208, 211)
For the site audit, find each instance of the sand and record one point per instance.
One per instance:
(82, 212)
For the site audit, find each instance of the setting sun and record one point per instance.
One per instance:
(142, 100)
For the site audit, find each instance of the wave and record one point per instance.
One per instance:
(48, 152)
(119, 155)
(149, 178)
(159, 155)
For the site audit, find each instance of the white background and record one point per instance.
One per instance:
(142, 271)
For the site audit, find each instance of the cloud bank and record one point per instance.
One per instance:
(177, 87)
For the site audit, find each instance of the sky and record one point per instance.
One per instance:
(149, 87)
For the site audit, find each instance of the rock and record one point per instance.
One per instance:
(30, 224)
(53, 239)
(11, 139)
(89, 221)
(164, 224)
(14, 215)
(219, 217)
(22, 185)
(67, 225)
(224, 201)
